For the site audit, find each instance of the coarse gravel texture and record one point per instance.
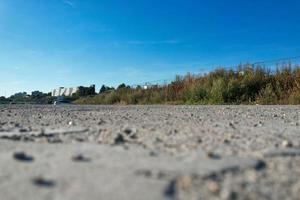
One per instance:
(149, 152)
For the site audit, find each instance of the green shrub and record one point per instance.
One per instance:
(295, 97)
(217, 92)
(268, 96)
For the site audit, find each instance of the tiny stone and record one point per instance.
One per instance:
(127, 131)
(21, 156)
(153, 153)
(184, 182)
(212, 155)
(80, 158)
(199, 140)
(119, 139)
(23, 130)
(80, 139)
(101, 122)
(42, 182)
(287, 143)
(231, 125)
(226, 141)
(213, 186)
(170, 191)
(133, 136)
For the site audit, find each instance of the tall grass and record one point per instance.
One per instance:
(247, 85)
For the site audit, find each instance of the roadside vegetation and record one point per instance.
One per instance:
(36, 97)
(246, 85)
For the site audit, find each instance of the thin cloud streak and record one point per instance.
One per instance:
(68, 2)
(140, 42)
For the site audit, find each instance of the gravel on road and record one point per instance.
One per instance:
(149, 152)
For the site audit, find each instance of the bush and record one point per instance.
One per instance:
(295, 97)
(268, 96)
(217, 92)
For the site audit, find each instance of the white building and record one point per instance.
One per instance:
(62, 91)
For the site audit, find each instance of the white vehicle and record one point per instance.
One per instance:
(61, 101)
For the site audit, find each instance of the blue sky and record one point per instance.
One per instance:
(45, 44)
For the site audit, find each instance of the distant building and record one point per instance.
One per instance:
(242, 73)
(147, 86)
(62, 91)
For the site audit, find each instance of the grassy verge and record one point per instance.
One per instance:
(243, 86)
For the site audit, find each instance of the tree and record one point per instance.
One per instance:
(4, 100)
(86, 91)
(37, 94)
(122, 86)
(103, 89)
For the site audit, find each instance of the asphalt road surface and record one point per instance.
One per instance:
(149, 152)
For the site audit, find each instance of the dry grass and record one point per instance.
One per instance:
(256, 85)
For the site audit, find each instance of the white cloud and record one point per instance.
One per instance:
(141, 42)
(69, 2)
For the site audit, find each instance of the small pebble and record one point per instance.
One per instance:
(171, 191)
(287, 143)
(128, 131)
(226, 141)
(42, 182)
(154, 153)
(184, 182)
(21, 156)
(213, 186)
(231, 125)
(80, 158)
(212, 155)
(199, 140)
(119, 140)
(23, 130)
